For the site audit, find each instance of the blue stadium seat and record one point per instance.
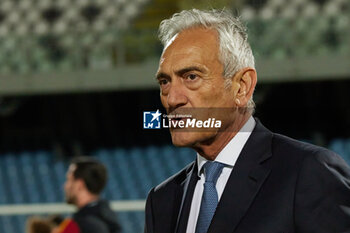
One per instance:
(3, 187)
(8, 224)
(13, 179)
(347, 150)
(141, 171)
(105, 156)
(43, 162)
(31, 183)
(59, 176)
(341, 147)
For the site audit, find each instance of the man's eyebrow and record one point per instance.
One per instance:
(182, 71)
(162, 75)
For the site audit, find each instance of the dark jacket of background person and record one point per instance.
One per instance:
(97, 217)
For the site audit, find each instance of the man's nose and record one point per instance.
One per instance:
(177, 96)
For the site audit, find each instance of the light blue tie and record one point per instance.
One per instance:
(212, 171)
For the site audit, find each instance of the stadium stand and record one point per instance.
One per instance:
(280, 29)
(39, 36)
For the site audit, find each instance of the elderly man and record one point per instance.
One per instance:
(245, 178)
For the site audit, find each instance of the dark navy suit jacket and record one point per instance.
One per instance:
(278, 185)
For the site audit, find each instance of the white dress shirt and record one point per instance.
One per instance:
(227, 156)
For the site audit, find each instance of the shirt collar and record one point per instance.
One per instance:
(231, 151)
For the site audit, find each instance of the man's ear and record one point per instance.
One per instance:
(246, 81)
(80, 184)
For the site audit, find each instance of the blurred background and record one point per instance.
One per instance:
(76, 76)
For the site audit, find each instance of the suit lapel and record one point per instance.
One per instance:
(188, 185)
(246, 178)
(168, 202)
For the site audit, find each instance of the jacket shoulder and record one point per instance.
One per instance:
(303, 151)
(308, 159)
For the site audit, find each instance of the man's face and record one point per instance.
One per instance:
(71, 186)
(190, 76)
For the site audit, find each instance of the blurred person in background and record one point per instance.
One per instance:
(50, 224)
(56, 223)
(55, 220)
(68, 225)
(85, 180)
(245, 179)
(38, 225)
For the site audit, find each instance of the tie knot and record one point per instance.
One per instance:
(212, 171)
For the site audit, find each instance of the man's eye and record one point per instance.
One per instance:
(191, 76)
(163, 82)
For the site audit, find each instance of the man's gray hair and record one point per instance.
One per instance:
(235, 52)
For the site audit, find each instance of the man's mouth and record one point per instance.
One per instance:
(178, 122)
(179, 118)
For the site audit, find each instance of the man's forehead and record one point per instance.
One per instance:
(193, 38)
(170, 41)
(192, 45)
(181, 54)
(193, 35)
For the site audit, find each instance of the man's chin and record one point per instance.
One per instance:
(182, 138)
